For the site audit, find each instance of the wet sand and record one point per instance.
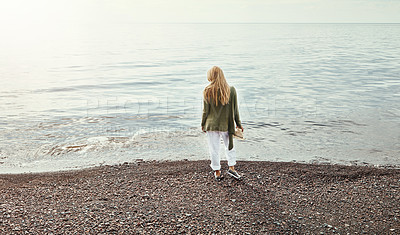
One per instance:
(183, 197)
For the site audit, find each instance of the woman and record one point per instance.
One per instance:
(220, 111)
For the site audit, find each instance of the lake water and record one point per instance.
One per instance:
(106, 94)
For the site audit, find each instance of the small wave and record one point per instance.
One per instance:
(251, 124)
(105, 86)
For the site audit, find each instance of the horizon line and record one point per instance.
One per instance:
(255, 22)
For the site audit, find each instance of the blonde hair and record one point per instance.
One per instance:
(218, 89)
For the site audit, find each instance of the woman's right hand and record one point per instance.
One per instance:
(240, 127)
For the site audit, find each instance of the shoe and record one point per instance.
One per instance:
(218, 178)
(234, 174)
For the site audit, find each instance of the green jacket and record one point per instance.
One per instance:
(222, 117)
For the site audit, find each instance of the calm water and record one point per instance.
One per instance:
(92, 95)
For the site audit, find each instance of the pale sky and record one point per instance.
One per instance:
(51, 12)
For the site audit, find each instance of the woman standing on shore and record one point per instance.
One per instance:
(220, 111)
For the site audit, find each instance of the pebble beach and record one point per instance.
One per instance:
(182, 197)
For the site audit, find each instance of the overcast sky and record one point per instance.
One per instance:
(20, 12)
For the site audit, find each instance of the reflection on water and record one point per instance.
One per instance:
(307, 92)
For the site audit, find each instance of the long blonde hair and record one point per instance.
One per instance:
(218, 89)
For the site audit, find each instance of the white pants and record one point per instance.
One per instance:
(214, 138)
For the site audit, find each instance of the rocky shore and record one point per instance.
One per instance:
(183, 197)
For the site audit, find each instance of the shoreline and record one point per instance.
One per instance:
(310, 141)
(144, 161)
(182, 196)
